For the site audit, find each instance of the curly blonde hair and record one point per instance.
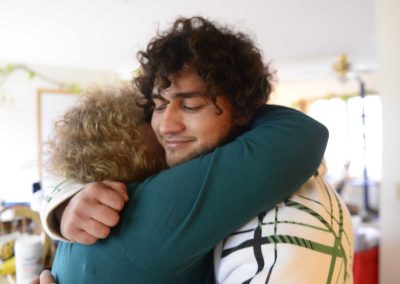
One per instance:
(104, 137)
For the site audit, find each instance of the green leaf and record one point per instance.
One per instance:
(31, 74)
(75, 88)
(9, 68)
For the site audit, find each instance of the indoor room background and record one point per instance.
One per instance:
(336, 60)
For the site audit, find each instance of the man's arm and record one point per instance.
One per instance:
(188, 209)
(266, 165)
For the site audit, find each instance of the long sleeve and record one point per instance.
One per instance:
(188, 209)
(56, 191)
(175, 218)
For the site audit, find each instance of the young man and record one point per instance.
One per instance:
(167, 233)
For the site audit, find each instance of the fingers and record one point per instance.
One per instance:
(118, 187)
(103, 214)
(85, 221)
(83, 229)
(47, 278)
(90, 213)
(111, 194)
(99, 202)
(35, 280)
(95, 228)
(83, 237)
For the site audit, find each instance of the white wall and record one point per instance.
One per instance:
(388, 32)
(18, 129)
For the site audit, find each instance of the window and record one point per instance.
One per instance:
(343, 117)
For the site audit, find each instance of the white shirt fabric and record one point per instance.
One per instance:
(307, 239)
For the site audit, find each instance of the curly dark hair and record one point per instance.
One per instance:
(228, 62)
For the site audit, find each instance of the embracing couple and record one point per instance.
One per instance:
(190, 177)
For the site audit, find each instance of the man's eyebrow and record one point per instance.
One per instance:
(184, 95)
(188, 95)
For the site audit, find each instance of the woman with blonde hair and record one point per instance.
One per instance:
(105, 136)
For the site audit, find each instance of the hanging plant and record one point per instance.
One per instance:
(6, 71)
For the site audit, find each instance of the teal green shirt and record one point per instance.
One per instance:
(174, 219)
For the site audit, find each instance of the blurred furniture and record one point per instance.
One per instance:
(365, 268)
(366, 256)
(22, 219)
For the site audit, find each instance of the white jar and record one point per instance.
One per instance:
(28, 258)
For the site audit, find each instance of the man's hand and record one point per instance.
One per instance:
(91, 213)
(45, 278)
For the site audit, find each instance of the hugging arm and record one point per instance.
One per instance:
(188, 209)
(82, 213)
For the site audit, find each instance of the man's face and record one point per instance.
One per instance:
(187, 122)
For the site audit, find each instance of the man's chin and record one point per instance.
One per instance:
(176, 160)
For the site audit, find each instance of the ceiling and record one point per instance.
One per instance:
(298, 36)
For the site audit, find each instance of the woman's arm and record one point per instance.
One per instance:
(57, 192)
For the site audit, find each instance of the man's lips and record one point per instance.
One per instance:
(175, 143)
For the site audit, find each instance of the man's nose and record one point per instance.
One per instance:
(171, 121)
